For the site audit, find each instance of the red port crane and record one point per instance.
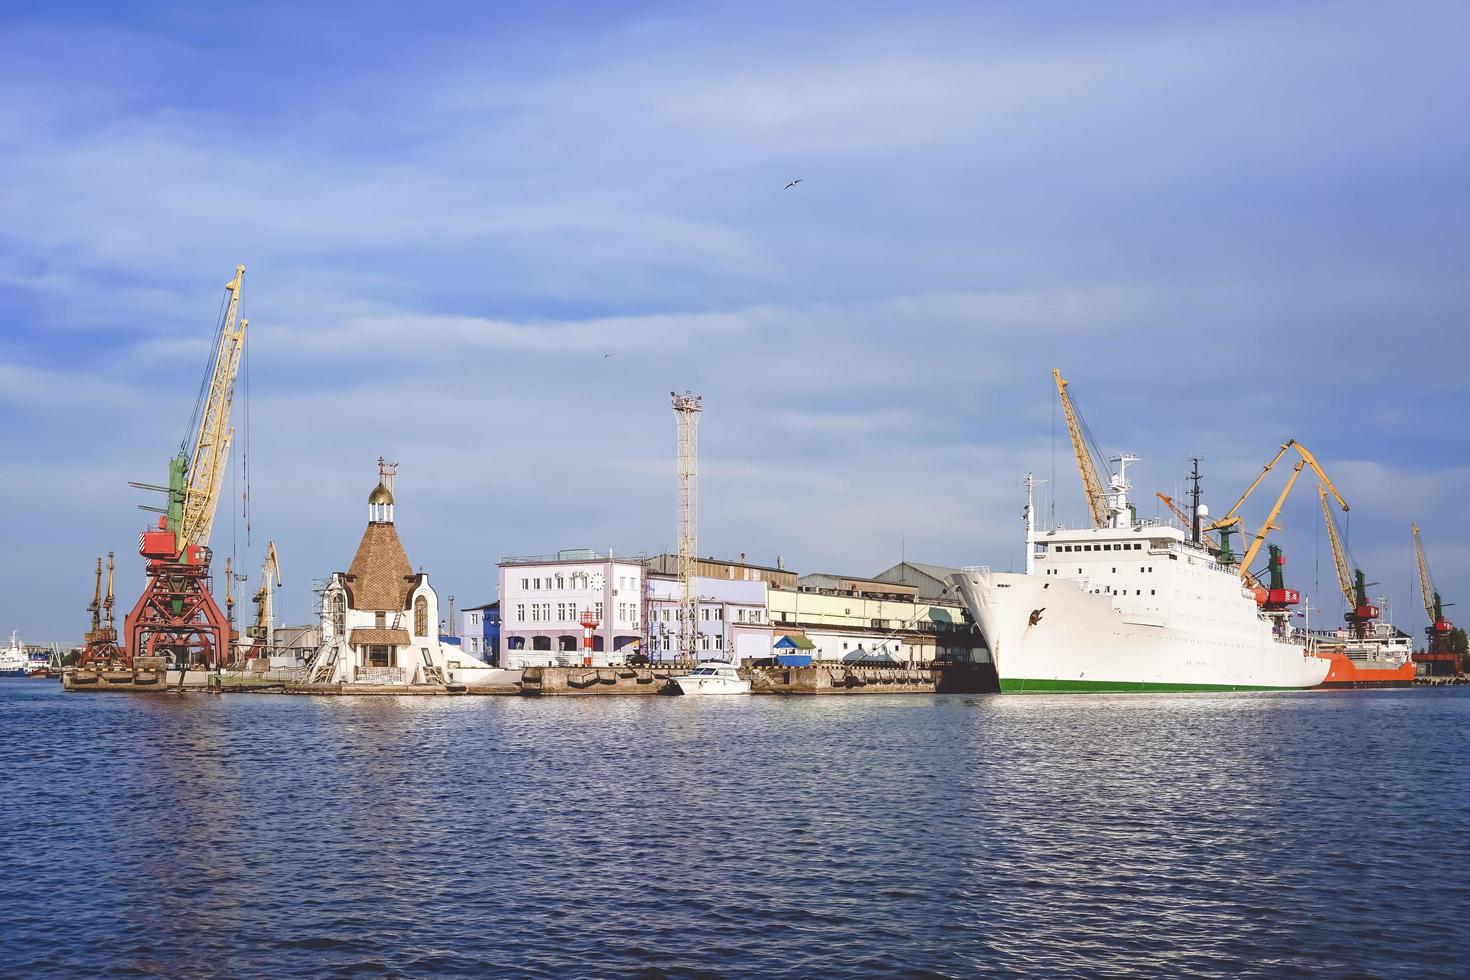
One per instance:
(176, 617)
(1440, 655)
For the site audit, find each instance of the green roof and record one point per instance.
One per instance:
(798, 642)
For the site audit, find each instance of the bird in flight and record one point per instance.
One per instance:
(606, 356)
(792, 184)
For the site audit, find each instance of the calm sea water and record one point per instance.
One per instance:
(1225, 835)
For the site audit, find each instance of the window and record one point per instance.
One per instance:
(421, 616)
(560, 582)
(740, 615)
(520, 612)
(599, 612)
(380, 620)
(719, 643)
(525, 585)
(719, 614)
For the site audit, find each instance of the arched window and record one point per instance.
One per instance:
(339, 613)
(421, 616)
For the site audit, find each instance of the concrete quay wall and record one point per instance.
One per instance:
(857, 679)
(549, 681)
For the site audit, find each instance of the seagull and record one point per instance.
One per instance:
(792, 184)
(606, 356)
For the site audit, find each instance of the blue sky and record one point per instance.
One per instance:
(1227, 224)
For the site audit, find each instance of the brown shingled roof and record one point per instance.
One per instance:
(380, 570)
(392, 638)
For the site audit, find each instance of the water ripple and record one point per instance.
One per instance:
(1220, 835)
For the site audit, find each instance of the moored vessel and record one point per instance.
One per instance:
(713, 677)
(14, 658)
(1132, 607)
(1136, 605)
(1382, 657)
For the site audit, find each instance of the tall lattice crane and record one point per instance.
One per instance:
(1350, 579)
(176, 617)
(1440, 627)
(1092, 486)
(100, 643)
(265, 599)
(1105, 505)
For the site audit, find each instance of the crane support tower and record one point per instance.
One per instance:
(687, 409)
(1440, 658)
(176, 617)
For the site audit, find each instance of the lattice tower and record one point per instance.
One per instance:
(687, 409)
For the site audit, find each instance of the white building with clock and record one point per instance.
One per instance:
(543, 599)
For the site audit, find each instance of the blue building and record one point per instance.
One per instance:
(480, 632)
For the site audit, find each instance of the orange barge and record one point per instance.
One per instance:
(1382, 657)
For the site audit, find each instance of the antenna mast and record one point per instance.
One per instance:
(1194, 479)
(687, 409)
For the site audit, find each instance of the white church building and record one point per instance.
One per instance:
(380, 619)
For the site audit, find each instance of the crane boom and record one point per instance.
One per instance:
(212, 441)
(1339, 554)
(1269, 524)
(1307, 458)
(1097, 504)
(1426, 584)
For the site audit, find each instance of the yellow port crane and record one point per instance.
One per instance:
(1092, 485)
(212, 440)
(270, 580)
(1232, 522)
(1350, 579)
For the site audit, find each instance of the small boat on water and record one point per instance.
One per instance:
(713, 677)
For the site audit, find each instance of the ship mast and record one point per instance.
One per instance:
(1030, 515)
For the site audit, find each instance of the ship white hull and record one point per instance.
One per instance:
(1051, 634)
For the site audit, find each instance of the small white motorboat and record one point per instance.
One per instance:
(713, 677)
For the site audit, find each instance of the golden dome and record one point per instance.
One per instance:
(380, 495)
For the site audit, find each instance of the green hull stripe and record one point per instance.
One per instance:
(1016, 685)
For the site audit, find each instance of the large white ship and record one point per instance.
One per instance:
(1132, 606)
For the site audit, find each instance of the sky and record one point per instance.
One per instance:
(1228, 225)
